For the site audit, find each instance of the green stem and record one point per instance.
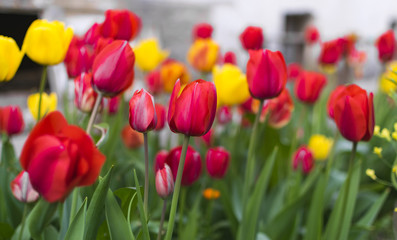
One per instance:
(207, 218)
(74, 205)
(41, 90)
(250, 166)
(162, 220)
(25, 211)
(182, 209)
(146, 190)
(175, 196)
(94, 112)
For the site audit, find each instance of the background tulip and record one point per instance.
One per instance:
(320, 146)
(311, 35)
(224, 115)
(78, 58)
(208, 138)
(22, 188)
(85, 96)
(171, 71)
(121, 24)
(113, 68)
(231, 85)
(294, 70)
(164, 181)
(59, 157)
(93, 34)
(142, 115)
(309, 85)
(202, 30)
(149, 55)
(10, 58)
(230, 57)
(278, 111)
(330, 53)
(303, 158)
(154, 83)
(11, 121)
(217, 161)
(48, 104)
(47, 42)
(131, 138)
(160, 113)
(252, 38)
(386, 43)
(266, 73)
(203, 54)
(192, 111)
(159, 160)
(113, 104)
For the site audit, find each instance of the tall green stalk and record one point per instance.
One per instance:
(41, 90)
(146, 191)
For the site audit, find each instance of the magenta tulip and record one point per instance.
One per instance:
(142, 112)
(164, 181)
(217, 162)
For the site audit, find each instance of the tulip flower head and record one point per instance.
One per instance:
(121, 24)
(330, 54)
(11, 120)
(85, 96)
(309, 85)
(320, 146)
(113, 104)
(217, 161)
(386, 43)
(230, 58)
(142, 116)
(59, 157)
(78, 58)
(303, 158)
(154, 83)
(278, 111)
(149, 55)
(203, 55)
(160, 113)
(311, 35)
(164, 181)
(266, 74)
(10, 58)
(170, 72)
(131, 138)
(294, 70)
(46, 43)
(93, 34)
(22, 188)
(252, 38)
(159, 160)
(224, 115)
(202, 30)
(48, 104)
(192, 110)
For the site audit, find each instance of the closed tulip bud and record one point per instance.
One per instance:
(131, 138)
(224, 115)
(202, 30)
(217, 161)
(386, 43)
(252, 38)
(231, 85)
(309, 85)
(121, 24)
(266, 74)
(60, 157)
(159, 160)
(142, 116)
(330, 53)
(149, 55)
(78, 58)
(164, 182)
(46, 43)
(113, 68)
(154, 83)
(171, 71)
(192, 111)
(160, 113)
(85, 96)
(230, 57)
(22, 188)
(303, 158)
(11, 120)
(320, 146)
(311, 35)
(11, 58)
(203, 54)
(93, 34)
(278, 111)
(48, 104)
(353, 112)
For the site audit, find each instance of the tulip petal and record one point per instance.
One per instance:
(172, 105)
(371, 118)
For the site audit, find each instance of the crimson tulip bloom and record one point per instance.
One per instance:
(85, 96)
(332, 98)
(311, 35)
(93, 34)
(131, 138)
(386, 43)
(154, 83)
(59, 157)
(159, 160)
(202, 30)
(303, 158)
(101, 43)
(113, 68)
(294, 70)
(252, 38)
(78, 58)
(331, 52)
(192, 111)
(217, 161)
(278, 111)
(230, 57)
(22, 189)
(266, 74)
(160, 113)
(142, 116)
(11, 120)
(164, 181)
(309, 85)
(121, 24)
(353, 113)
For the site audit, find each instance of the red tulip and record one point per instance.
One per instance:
(311, 35)
(192, 111)
(164, 182)
(279, 110)
(113, 68)
(252, 38)
(93, 34)
(131, 138)
(230, 57)
(332, 98)
(154, 83)
(217, 161)
(59, 157)
(160, 113)
(224, 115)
(207, 138)
(386, 43)
(121, 24)
(294, 69)
(331, 52)
(159, 160)
(78, 58)
(22, 189)
(309, 85)
(202, 30)
(85, 96)
(266, 73)
(353, 113)
(303, 158)
(101, 43)
(113, 104)
(11, 120)
(142, 112)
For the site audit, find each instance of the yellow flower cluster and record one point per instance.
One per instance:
(320, 145)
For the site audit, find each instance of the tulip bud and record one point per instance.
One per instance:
(142, 112)
(217, 161)
(148, 54)
(202, 30)
(121, 24)
(154, 83)
(164, 182)
(93, 34)
(48, 104)
(159, 160)
(22, 188)
(113, 69)
(85, 96)
(303, 158)
(224, 115)
(266, 74)
(331, 52)
(160, 113)
(278, 111)
(230, 57)
(386, 43)
(311, 35)
(309, 85)
(9, 51)
(11, 120)
(252, 38)
(203, 54)
(131, 138)
(192, 111)
(171, 71)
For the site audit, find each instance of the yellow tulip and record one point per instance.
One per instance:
(320, 145)
(203, 54)
(46, 42)
(10, 58)
(231, 85)
(385, 83)
(148, 54)
(48, 104)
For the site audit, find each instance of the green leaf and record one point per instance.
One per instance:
(119, 228)
(129, 200)
(76, 228)
(50, 233)
(250, 216)
(145, 229)
(104, 129)
(97, 204)
(192, 225)
(6, 231)
(40, 217)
